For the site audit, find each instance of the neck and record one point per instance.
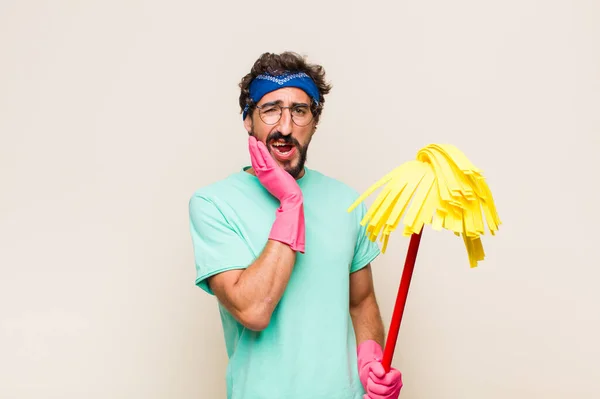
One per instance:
(252, 172)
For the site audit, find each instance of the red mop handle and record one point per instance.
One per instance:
(409, 266)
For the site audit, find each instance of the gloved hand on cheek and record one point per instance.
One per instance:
(377, 383)
(289, 225)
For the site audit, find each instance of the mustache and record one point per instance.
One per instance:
(286, 139)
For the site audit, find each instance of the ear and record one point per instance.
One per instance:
(248, 123)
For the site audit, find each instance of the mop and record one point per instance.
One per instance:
(442, 188)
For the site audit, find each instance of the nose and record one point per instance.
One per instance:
(285, 122)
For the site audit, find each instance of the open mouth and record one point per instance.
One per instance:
(282, 150)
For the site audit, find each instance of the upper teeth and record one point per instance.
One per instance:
(279, 144)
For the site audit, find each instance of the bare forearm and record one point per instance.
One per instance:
(260, 286)
(367, 322)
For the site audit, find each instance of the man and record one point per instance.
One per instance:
(289, 266)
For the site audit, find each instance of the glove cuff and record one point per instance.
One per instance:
(289, 227)
(369, 351)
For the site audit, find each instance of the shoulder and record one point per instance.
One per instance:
(216, 194)
(223, 187)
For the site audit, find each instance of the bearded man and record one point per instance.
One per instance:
(289, 266)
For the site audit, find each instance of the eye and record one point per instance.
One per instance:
(301, 110)
(270, 110)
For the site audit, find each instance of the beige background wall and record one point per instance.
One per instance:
(112, 113)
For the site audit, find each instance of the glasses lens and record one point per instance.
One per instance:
(270, 114)
(301, 115)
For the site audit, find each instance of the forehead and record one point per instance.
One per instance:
(286, 95)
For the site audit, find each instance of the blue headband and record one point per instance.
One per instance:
(266, 83)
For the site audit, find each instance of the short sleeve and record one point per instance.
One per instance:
(217, 246)
(365, 250)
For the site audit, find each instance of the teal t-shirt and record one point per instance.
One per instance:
(309, 348)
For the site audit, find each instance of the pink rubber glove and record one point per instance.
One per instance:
(289, 226)
(377, 383)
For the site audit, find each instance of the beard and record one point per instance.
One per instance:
(294, 166)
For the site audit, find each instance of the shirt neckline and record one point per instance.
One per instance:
(301, 181)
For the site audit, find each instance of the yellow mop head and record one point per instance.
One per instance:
(447, 191)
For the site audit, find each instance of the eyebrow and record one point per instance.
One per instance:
(279, 102)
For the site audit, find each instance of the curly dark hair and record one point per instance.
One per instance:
(277, 64)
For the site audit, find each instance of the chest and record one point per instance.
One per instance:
(331, 231)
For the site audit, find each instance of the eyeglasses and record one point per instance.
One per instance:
(270, 113)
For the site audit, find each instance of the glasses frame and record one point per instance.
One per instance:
(310, 108)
